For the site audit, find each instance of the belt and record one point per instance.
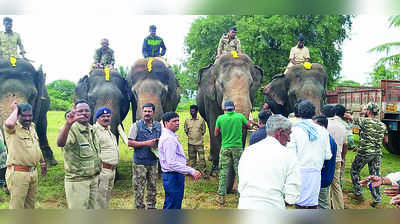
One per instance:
(109, 166)
(22, 168)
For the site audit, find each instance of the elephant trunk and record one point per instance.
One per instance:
(239, 92)
(149, 97)
(115, 118)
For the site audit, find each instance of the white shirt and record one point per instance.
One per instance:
(338, 131)
(310, 155)
(394, 177)
(268, 176)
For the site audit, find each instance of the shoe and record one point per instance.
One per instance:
(220, 199)
(375, 204)
(52, 162)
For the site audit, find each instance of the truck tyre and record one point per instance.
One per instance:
(393, 145)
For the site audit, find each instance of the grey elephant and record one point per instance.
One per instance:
(282, 93)
(21, 82)
(230, 78)
(113, 93)
(153, 83)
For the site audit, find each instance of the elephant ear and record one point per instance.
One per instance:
(82, 89)
(277, 89)
(127, 100)
(39, 80)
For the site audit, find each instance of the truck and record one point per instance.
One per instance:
(387, 96)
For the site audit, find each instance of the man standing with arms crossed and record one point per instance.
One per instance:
(109, 155)
(81, 158)
(143, 136)
(229, 125)
(195, 128)
(23, 156)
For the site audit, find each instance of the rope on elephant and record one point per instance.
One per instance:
(13, 61)
(150, 63)
(107, 73)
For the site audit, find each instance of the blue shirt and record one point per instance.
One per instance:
(258, 135)
(328, 170)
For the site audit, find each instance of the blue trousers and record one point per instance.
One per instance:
(174, 186)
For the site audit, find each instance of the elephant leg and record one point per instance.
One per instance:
(48, 156)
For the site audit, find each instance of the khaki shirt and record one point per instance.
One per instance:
(23, 146)
(227, 45)
(299, 54)
(109, 152)
(195, 129)
(9, 43)
(81, 154)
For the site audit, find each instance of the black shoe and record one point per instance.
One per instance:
(52, 162)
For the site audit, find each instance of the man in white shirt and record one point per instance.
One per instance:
(311, 144)
(268, 172)
(338, 131)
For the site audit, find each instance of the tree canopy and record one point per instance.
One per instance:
(387, 67)
(268, 40)
(61, 93)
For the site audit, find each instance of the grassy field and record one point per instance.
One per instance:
(198, 194)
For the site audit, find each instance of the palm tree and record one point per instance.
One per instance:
(392, 49)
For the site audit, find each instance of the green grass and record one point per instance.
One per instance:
(198, 194)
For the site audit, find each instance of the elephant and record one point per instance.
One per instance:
(113, 93)
(155, 83)
(282, 93)
(21, 82)
(229, 78)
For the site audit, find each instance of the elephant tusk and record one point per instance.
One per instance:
(122, 134)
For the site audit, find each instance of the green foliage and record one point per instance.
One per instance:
(268, 40)
(187, 81)
(123, 71)
(387, 67)
(347, 83)
(383, 72)
(61, 93)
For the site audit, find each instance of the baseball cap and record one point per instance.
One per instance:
(229, 105)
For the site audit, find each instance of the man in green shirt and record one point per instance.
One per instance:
(82, 162)
(229, 125)
(9, 41)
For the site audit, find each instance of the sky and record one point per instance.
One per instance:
(65, 44)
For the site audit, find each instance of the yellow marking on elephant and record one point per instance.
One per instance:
(307, 65)
(235, 54)
(107, 73)
(5, 105)
(13, 61)
(149, 64)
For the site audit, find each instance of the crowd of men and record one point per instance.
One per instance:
(298, 161)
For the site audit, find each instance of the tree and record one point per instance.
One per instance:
(61, 93)
(387, 67)
(347, 83)
(268, 40)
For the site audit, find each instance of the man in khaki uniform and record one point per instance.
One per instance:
(23, 156)
(9, 41)
(109, 155)
(229, 43)
(195, 128)
(81, 158)
(298, 54)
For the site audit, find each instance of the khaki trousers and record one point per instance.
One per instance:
(23, 187)
(82, 194)
(106, 185)
(336, 190)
